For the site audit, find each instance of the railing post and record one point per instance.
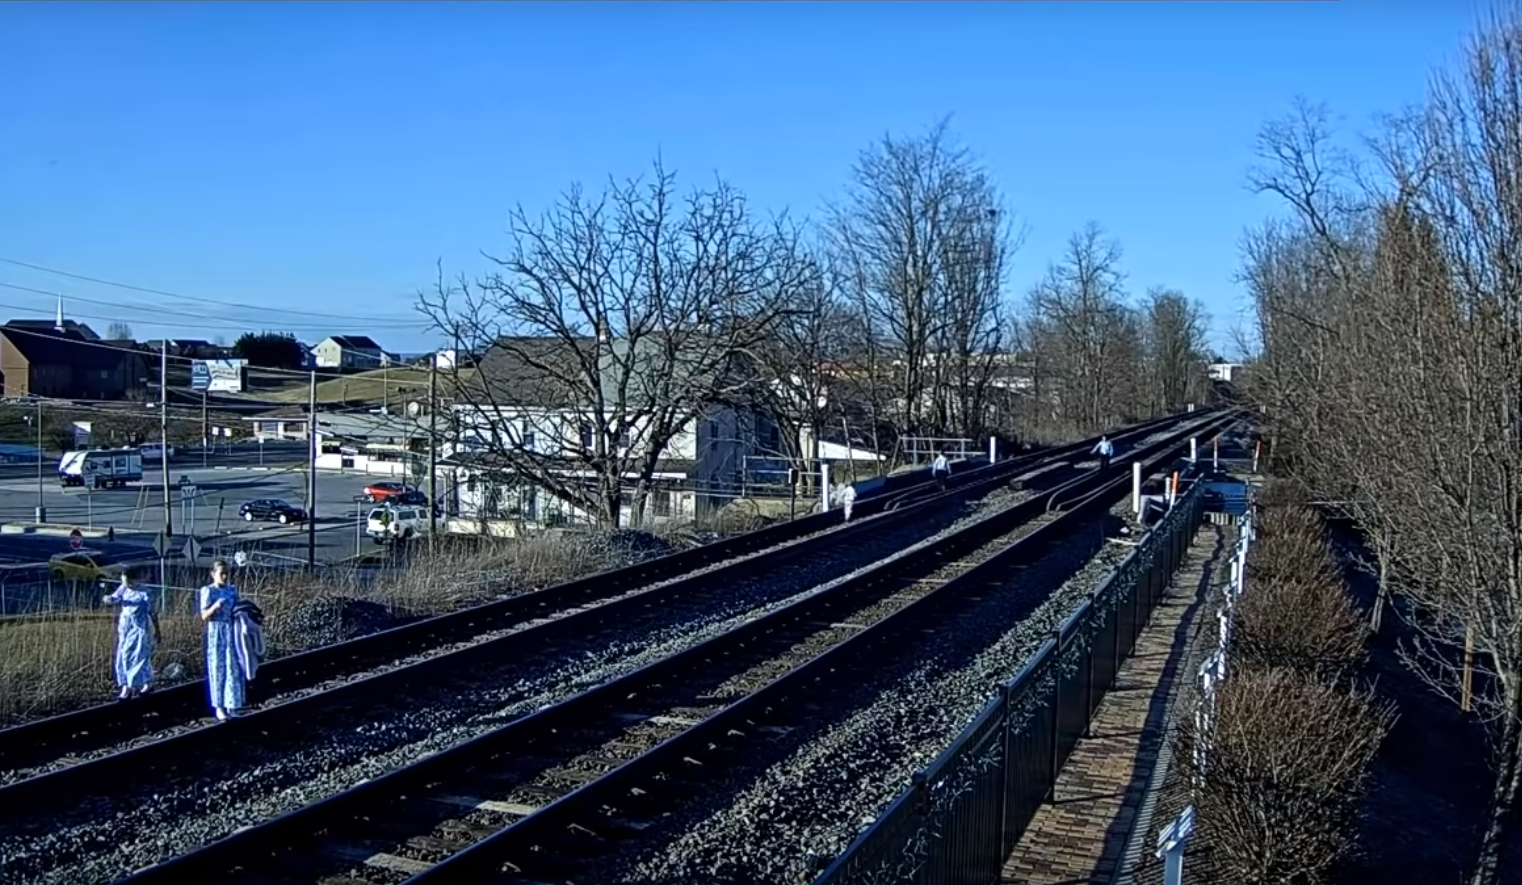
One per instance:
(1170, 847)
(1004, 732)
(1088, 677)
(1056, 714)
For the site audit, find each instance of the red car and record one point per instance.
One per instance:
(377, 492)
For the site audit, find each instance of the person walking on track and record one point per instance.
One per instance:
(940, 469)
(1105, 450)
(224, 674)
(134, 642)
(845, 495)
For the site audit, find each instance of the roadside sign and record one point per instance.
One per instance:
(76, 539)
(187, 492)
(161, 544)
(192, 549)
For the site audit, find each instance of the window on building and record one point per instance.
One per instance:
(660, 503)
(588, 437)
(625, 439)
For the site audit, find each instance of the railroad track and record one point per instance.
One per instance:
(176, 768)
(580, 777)
(34, 747)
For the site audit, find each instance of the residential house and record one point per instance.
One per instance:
(65, 365)
(516, 412)
(350, 352)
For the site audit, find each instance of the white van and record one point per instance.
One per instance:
(154, 451)
(380, 524)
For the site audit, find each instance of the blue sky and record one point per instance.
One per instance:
(312, 161)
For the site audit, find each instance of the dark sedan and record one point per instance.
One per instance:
(412, 499)
(271, 510)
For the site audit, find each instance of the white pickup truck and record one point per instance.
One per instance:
(388, 523)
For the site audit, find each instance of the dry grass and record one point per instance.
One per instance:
(63, 661)
(396, 385)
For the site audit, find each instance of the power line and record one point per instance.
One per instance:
(166, 294)
(202, 318)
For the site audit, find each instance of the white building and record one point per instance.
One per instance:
(350, 352)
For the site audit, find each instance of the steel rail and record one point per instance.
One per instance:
(177, 754)
(37, 742)
(276, 841)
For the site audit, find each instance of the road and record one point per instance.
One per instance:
(211, 515)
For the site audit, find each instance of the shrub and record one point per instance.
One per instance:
(1287, 768)
(1306, 624)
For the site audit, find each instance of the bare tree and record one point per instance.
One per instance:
(1409, 376)
(803, 361)
(1087, 333)
(611, 325)
(1176, 350)
(923, 241)
(118, 331)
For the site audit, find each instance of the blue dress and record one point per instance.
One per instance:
(224, 675)
(134, 637)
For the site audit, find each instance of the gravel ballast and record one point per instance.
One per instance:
(111, 838)
(839, 774)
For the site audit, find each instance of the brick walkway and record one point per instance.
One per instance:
(1081, 837)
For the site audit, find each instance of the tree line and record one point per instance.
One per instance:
(612, 321)
(1388, 319)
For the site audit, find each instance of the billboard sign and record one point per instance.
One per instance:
(217, 376)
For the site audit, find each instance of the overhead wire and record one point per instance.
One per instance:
(200, 318)
(167, 294)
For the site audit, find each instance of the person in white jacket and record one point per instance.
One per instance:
(845, 496)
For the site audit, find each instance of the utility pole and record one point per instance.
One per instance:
(164, 462)
(164, 433)
(42, 509)
(433, 449)
(205, 429)
(312, 472)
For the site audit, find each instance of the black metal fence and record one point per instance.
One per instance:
(961, 816)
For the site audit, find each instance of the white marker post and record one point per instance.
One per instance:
(1194, 449)
(993, 452)
(1170, 847)
(1136, 501)
(824, 486)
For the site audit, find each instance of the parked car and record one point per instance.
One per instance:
(84, 565)
(411, 499)
(380, 524)
(377, 492)
(271, 509)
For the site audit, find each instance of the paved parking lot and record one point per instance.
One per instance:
(137, 512)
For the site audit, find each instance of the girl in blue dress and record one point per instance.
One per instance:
(137, 631)
(224, 674)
